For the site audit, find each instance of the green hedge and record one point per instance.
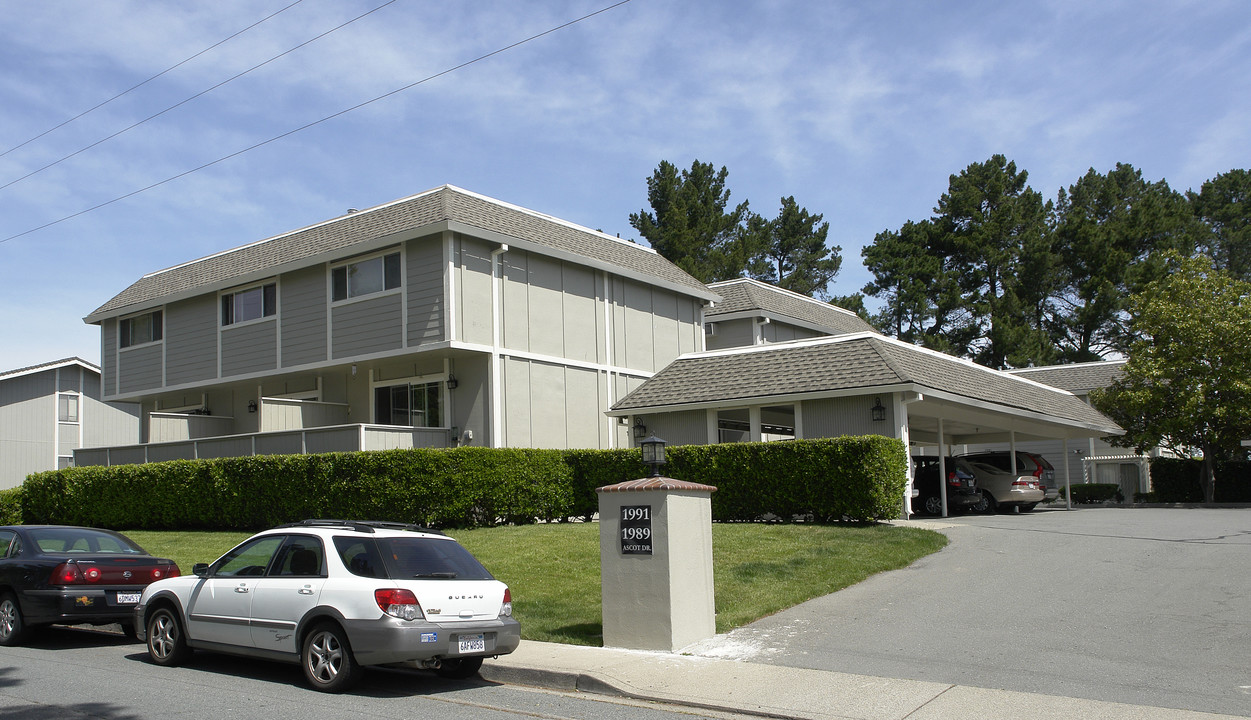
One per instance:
(1094, 493)
(1176, 480)
(853, 478)
(11, 506)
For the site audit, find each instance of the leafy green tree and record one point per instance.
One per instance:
(917, 281)
(853, 302)
(792, 251)
(689, 223)
(1187, 384)
(1223, 204)
(995, 226)
(1107, 229)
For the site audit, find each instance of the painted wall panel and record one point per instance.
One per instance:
(517, 408)
(731, 333)
(250, 348)
(515, 298)
(584, 406)
(547, 401)
(367, 326)
(546, 313)
(107, 424)
(689, 330)
(582, 314)
(28, 426)
(637, 344)
(139, 368)
(470, 401)
(108, 356)
(424, 283)
(474, 290)
(689, 427)
(834, 417)
(191, 340)
(665, 329)
(302, 314)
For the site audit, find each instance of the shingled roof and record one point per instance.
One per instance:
(400, 219)
(743, 295)
(1078, 378)
(848, 362)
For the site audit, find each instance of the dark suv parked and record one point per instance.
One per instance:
(962, 491)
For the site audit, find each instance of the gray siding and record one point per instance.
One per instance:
(731, 333)
(551, 308)
(191, 340)
(551, 406)
(302, 299)
(28, 426)
(107, 424)
(367, 326)
(834, 417)
(689, 427)
(251, 348)
(108, 357)
(473, 290)
(139, 368)
(425, 270)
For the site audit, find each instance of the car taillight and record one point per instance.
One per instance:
(1020, 482)
(170, 571)
(71, 574)
(506, 610)
(399, 603)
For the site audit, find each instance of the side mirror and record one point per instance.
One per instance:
(200, 570)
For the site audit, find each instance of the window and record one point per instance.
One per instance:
(140, 329)
(408, 405)
(365, 277)
(67, 408)
(251, 304)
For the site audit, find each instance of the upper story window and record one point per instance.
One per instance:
(364, 277)
(67, 408)
(140, 329)
(251, 304)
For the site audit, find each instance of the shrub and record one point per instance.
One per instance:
(1094, 493)
(1176, 480)
(11, 506)
(853, 478)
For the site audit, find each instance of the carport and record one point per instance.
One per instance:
(855, 384)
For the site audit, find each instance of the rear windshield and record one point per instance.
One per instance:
(402, 558)
(82, 540)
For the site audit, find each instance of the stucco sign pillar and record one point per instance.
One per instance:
(655, 550)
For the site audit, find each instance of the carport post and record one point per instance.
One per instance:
(942, 466)
(1068, 486)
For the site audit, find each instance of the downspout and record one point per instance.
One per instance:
(497, 421)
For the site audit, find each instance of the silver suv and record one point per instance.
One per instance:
(335, 596)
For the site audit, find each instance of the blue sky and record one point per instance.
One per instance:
(860, 110)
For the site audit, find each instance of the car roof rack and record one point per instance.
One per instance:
(365, 526)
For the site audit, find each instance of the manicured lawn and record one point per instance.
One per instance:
(553, 570)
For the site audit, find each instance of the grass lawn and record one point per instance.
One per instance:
(553, 570)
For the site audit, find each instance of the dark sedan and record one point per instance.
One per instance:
(962, 493)
(72, 575)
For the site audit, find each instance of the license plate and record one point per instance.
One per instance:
(472, 643)
(127, 598)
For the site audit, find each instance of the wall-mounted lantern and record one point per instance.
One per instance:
(640, 430)
(878, 412)
(653, 454)
(452, 382)
(251, 406)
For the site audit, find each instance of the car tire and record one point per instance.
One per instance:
(460, 668)
(933, 505)
(327, 660)
(167, 643)
(13, 628)
(987, 505)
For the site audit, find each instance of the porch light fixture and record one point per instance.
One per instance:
(251, 406)
(653, 454)
(640, 430)
(452, 382)
(878, 412)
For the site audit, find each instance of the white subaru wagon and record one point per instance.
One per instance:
(335, 596)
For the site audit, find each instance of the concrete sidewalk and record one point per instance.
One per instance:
(784, 692)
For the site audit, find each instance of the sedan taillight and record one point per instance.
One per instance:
(399, 603)
(506, 610)
(71, 573)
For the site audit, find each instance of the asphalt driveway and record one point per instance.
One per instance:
(1141, 606)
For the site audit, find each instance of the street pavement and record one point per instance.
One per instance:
(1092, 613)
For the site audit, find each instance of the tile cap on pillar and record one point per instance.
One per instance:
(656, 483)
